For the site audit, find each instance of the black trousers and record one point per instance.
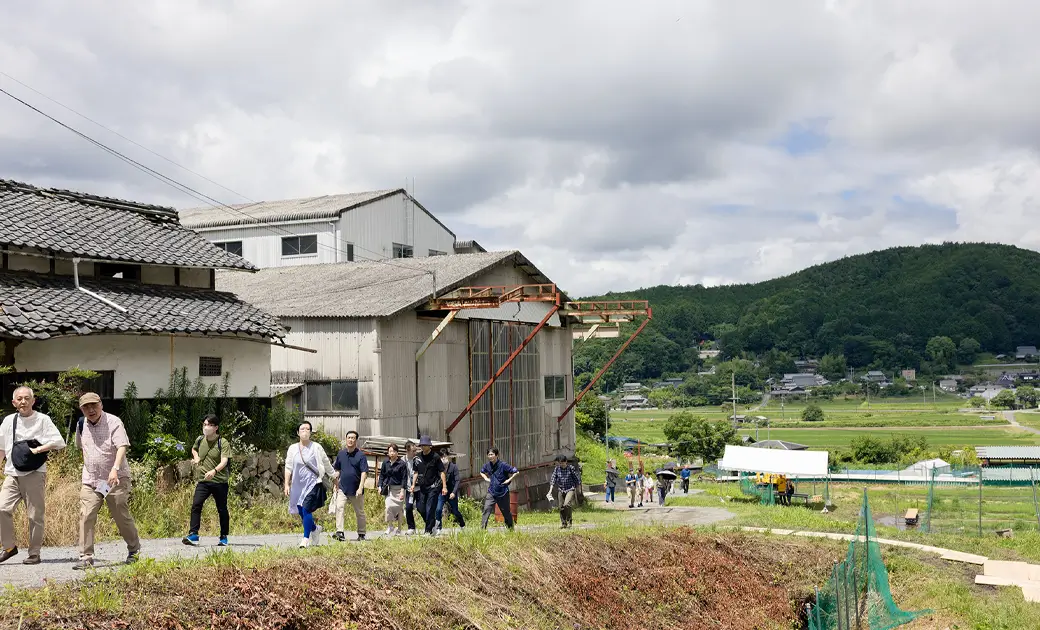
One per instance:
(409, 509)
(203, 491)
(686, 485)
(426, 503)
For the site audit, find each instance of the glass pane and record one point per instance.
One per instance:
(290, 246)
(550, 388)
(319, 397)
(345, 396)
(309, 244)
(235, 247)
(350, 252)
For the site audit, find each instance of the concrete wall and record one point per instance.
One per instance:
(147, 360)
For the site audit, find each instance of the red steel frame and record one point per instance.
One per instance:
(604, 310)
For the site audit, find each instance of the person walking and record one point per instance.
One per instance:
(451, 499)
(211, 454)
(684, 474)
(565, 477)
(306, 466)
(632, 486)
(612, 475)
(640, 483)
(648, 485)
(429, 483)
(498, 475)
(102, 439)
(393, 484)
(409, 505)
(351, 467)
(663, 486)
(26, 437)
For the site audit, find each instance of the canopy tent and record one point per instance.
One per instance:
(791, 463)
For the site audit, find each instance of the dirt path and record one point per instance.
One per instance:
(58, 561)
(1010, 417)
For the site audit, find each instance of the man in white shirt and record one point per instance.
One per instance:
(25, 485)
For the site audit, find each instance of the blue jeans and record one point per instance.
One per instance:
(610, 495)
(453, 507)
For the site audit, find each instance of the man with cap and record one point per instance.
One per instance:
(106, 478)
(567, 478)
(451, 499)
(26, 477)
(429, 482)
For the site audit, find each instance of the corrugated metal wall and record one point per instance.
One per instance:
(262, 245)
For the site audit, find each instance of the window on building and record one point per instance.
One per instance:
(350, 252)
(556, 387)
(118, 271)
(402, 251)
(337, 396)
(211, 366)
(231, 247)
(435, 252)
(300, 245)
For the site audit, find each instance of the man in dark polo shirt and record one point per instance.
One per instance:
(429, 482)
(351, 467)
(499, 475)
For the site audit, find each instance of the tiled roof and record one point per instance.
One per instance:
(1008, 452)
(323, 207)
(36, 306)
(363, 289)
(88, 226)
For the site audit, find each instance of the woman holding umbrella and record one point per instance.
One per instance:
(665, 477)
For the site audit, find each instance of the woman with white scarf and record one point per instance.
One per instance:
(306, 464)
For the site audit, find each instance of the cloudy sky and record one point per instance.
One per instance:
(618, 144)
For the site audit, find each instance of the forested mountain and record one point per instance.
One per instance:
(878, 309)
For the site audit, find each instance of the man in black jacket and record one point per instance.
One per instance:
(429, 482)
(454, 479)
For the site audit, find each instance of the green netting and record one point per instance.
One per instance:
(763, 491)
(857, 595)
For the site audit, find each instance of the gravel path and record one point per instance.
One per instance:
(1010, 417)
(58, 561)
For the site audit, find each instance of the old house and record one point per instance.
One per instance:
(121, 288)
(393, 359)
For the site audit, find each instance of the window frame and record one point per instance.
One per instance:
(224, 246)
(406, 251)
(209, 362)
(435, 252)
(559, 387)
(311, 403)
(299, 245)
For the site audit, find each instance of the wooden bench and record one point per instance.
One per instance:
(803, 497)
(910, 518)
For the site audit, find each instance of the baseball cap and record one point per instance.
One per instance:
(89, 397)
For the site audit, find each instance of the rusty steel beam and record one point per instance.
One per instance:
(603, 370)
(505, 366)
(494, 296)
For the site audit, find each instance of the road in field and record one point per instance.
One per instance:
(839, 438)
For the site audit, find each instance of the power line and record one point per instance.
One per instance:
(191, 192)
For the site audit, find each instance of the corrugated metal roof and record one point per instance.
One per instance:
(322, 207)
(363, 289)
(1008, 452)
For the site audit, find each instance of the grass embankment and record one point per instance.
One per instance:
(611, 578)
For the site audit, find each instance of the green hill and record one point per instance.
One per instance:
(878, 309)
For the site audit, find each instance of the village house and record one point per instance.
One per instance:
(1026, 352)
(802, 381)
(393, 360)
(376, 225)
(121, 288)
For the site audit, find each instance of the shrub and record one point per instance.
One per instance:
(329, 442)
(813, 413)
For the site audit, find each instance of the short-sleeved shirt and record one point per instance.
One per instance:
(498, 473)
(99, 443)
(428, 469)
(350, 466)
(210, 454)
(685, 473)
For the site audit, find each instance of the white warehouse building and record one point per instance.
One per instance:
(369, 321)
(375, 225)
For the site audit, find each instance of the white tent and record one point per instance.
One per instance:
(927, 466)
(791, 463)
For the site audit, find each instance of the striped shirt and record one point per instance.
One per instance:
(99, 443)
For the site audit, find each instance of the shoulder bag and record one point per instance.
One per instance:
(22, 457)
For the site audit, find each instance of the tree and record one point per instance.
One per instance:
(1026, 396)
(812, 413)
(977, 402)
(943, 352)
(1004, 400)
(968, 350)
(596, 414)
(694, 436)
(833, 367)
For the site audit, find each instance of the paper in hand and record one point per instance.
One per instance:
(102, 488)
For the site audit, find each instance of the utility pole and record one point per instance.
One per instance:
(733, 383)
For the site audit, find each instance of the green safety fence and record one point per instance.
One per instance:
(857, 595)
(764, 492)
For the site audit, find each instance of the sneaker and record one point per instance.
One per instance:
(8, 554)
(222, 542)
(84, 564)
(340, 536)
(32, 560)
(390, 531)
(361, 537)
(410, 532)
(396, 532)
(191, 539)
(305, 542)
(316, 535)
(133, 557)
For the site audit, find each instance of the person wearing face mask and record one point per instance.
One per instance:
(211, 454)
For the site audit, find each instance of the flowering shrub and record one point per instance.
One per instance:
(165, 449)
